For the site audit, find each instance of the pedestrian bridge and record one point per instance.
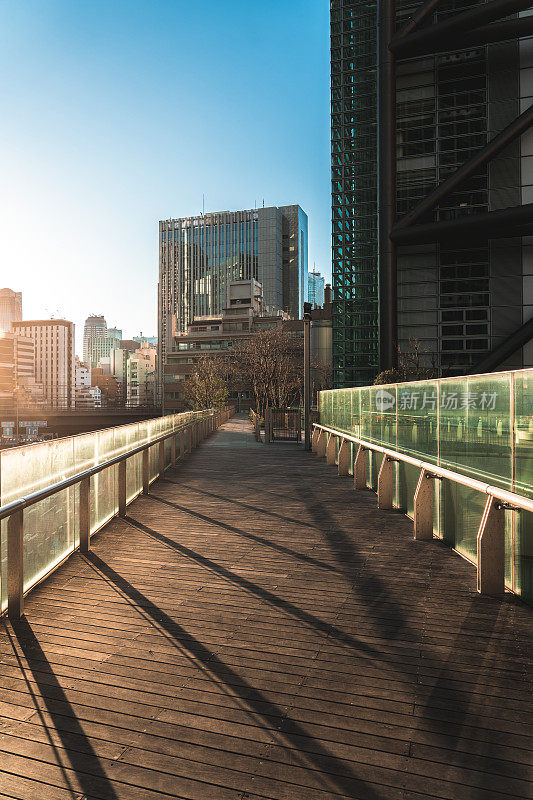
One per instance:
(249, 628)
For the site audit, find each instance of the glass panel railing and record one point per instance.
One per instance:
(51, 527)
(480, 426)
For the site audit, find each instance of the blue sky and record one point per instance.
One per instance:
(117, 114)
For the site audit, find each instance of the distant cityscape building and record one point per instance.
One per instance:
(315, 288)
(110, 388)
(10, 308)
(140, 376)
(17, 365)
(129, 345)
(200, 256)
(243, 316)
(54, 358)
(140, 339)
(114, 333)
(98, 340)
(87, 395)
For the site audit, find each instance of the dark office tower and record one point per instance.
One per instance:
(432, 206)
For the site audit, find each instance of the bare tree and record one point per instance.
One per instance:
(271, 364)
(207, 386)
(321, 378)
(410, 365)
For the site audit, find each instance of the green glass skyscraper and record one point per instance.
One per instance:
(354, 191)
(432, 185)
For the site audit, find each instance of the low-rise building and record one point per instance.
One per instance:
(87, 395)
(243, 316)
(110, 388)
(140, 376)
(17, 366)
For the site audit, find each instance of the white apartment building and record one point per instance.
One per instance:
(53, 340)
(140, 376)
(87, 396)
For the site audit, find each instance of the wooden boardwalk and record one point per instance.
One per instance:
(256, 630)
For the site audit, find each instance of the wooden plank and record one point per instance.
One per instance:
(255, 637)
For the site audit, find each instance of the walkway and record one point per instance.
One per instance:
(255, 629)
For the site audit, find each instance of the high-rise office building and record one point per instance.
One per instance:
(199, 256)
(10, 308)
(98, 339)
(17, 365)
(410, 259)
(315, 288)
(54, 358)
(95, 329)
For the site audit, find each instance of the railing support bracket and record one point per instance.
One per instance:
(491, 550)
(423, 506)
(344, 457)
(359, 468)
(330, 450)
(385, 481)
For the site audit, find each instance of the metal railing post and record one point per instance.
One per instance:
(172, 451)
(385, 482)
(344, 458)
(146, 470)
(122, 488)
(15, 565)
(491, 549)
(85, 515)
(161, 458)
(330, 450)
(423, 507)
(360, 468)
(321, 444)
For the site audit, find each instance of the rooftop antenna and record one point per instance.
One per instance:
(203, 205)
(263, 202)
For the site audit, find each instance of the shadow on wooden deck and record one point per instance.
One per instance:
(255, 629)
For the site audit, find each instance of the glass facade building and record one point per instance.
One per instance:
(459, 299)
(354, 191)
(199, 256)
(315, 288)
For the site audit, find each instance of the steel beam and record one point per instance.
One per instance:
(510, 222)
(513, 131)
(419, 16)
(387, 185)
(431, 39)
(509, 346)
(485, 34)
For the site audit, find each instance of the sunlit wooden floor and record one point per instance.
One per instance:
(256, 629)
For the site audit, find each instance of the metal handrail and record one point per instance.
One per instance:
(494, 491)
(490, 539)
(43, 494)
(14, 511)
